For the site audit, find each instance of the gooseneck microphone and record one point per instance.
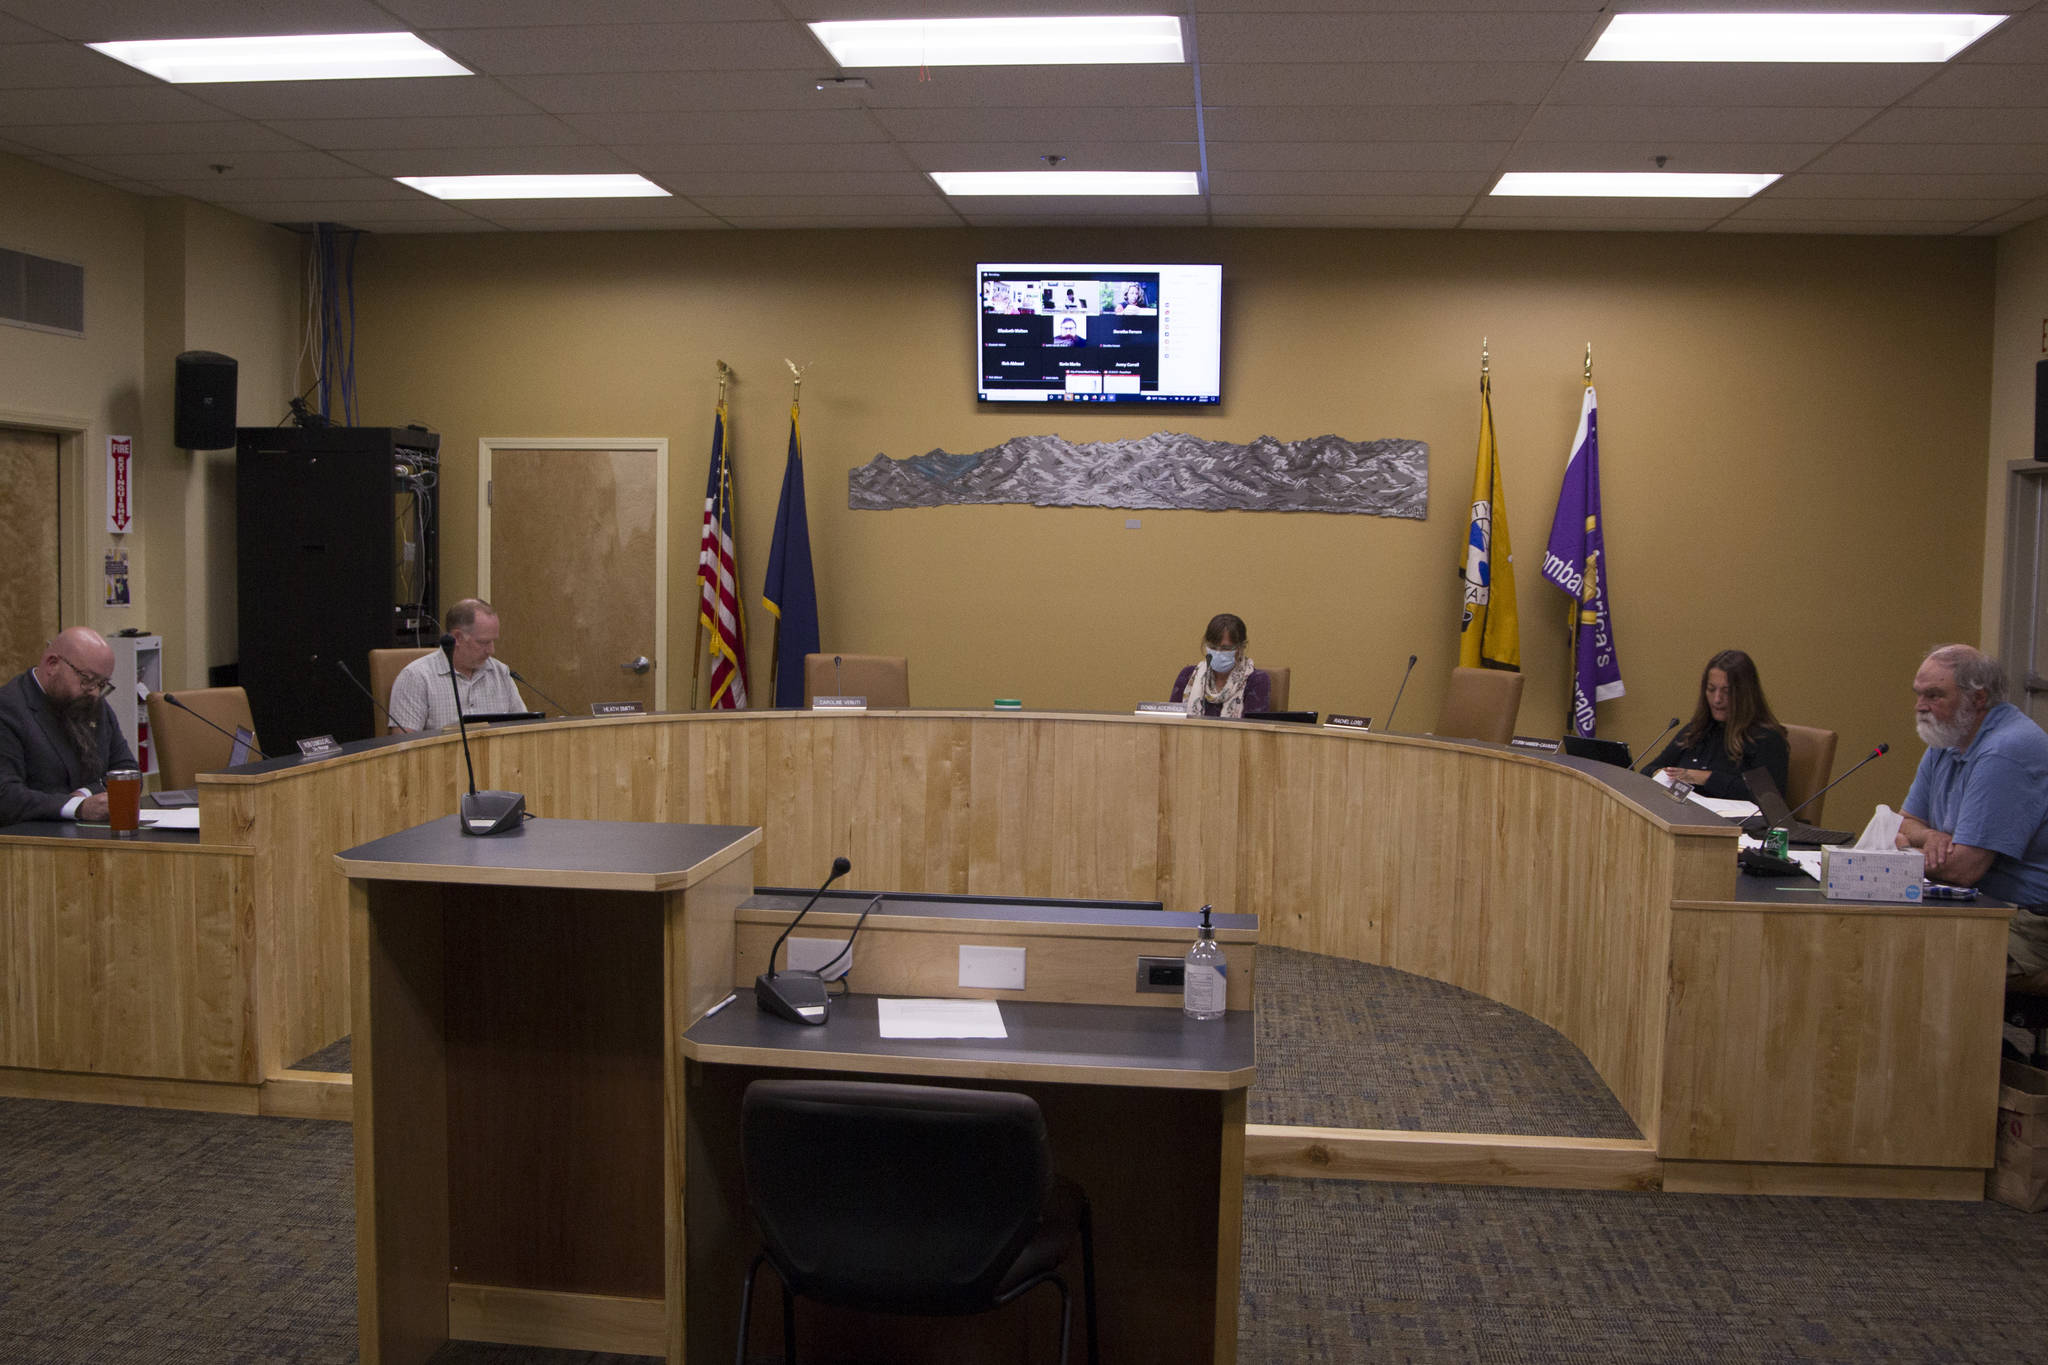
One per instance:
(1879, 752)
(1397, 693)
(799, 997)
(519, 677)
(170, 700)
(836, 688)
(489, 812)
(1761, 864)
(348, 673)
(1653, 750)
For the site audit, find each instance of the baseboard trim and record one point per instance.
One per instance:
(1559, 1163)
(564, 1322)
(1963, 1184)
(144, 1092)
(309, 1095)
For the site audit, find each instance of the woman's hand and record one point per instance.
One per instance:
(1691, 776)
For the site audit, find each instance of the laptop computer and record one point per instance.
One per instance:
(244, 745)
(1778, 815)
(1599, 750)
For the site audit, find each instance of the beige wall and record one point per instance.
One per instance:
(1778, 417)
(162, 276)
(2019, 341)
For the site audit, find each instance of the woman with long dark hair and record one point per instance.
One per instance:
(1223, 681)
(1731, 731)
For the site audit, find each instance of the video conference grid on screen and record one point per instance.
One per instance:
(1100, 333)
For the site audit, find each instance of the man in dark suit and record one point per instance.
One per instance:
(58, 736)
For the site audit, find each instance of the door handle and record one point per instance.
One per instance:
(639, 665)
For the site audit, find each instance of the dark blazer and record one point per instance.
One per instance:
(39, 766)
(1766, 749)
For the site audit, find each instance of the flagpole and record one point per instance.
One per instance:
(796, 394)
(697, 648)
(1572, 626)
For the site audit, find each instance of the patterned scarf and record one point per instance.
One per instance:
(1232, 699)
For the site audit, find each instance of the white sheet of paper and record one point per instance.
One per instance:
(941, 1019)
(1724, 807)
(187, 818)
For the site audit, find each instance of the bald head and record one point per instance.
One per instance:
(74, 664)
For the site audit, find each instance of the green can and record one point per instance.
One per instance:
(1778, 843)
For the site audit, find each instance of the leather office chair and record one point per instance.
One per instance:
(1482, 704)
(1811, 763)
(919, 1200)
(385, 666)
(184, 746)
(884, 679)
(1277, 678)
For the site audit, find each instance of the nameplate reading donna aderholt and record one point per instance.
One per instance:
(1161, 708)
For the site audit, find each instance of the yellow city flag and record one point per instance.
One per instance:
(1491, 636)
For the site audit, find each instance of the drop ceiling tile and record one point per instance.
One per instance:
(549, 210)
(19, 31)
(612, 225)
(1269, 220)
(35, 66)
(1427, 157)
(96, 21)
(1878, 210)
(2020, 39)
(1910, 158)
(1051, 125)
(426, 14)
(758, 125)
(807, 10)
(1682, 156)
(245, 165)
(1366, 123)
(2019, 217)
(731, 158)
(1984, 85)
(823, 185)
(1419, 36)
(1622, 123)
(897, 207)
(418, 209)
(1062, 207)
(228, 190)
(1465, 183)
(654, 92)
(1811, 185)
(111, 104)
(1116, 86)
(1077, 219)
(109, 139)
(1957, 125)
(1840, 228)
(583, 160)
(1593, 7)
(1779, 85)
(1247, 83)
(1321, 206)
(1600, 210)
(632, 47)
(444, 96)
(777, 223)
(392, 228)
(525, 130)
(1029, 156)
(1617, 223)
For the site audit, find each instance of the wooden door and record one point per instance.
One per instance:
(574, 555)
(28, 509)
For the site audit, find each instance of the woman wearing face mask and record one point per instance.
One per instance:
(1731, 731)
(1223, 683)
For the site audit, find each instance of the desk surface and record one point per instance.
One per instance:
(1072, 1044)
(1804, 893)
(605, 855)
(97, 834)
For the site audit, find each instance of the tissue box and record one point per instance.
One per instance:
(1868, 874)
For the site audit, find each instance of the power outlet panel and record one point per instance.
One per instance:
(994, 969)
(1164, 975)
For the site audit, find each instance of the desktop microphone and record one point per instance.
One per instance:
(1398, 691)
(1669, 726)
(1761, 864)
(519, 677)
(836, 661)
(489, 812)
(170, 700)
(799, 997)
(348, 673)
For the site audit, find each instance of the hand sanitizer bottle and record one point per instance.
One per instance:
(1203, 976)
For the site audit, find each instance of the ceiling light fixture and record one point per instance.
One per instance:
(962, 183)
(1080, 40)
(535, 186)
(1633, 184)
(292, 57)
(1789, 37)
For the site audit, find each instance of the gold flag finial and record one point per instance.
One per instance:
(724, 378)
(1482, 358)
(796, 391)
(1589, 362)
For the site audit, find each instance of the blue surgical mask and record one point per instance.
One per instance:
(1222, 660)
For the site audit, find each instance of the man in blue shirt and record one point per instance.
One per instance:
(1978, 807)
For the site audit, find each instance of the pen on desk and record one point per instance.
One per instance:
(721, 1004)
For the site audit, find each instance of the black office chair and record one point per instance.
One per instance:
(911, 1199)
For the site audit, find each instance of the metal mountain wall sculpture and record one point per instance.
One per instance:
(1385, 478)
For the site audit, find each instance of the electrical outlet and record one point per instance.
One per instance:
(1000, 969)
(1165, 975)
(809, 954)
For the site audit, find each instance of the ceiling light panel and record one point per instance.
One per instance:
(963, 183)
(1789, 37)
(1082, 40)
(1631, 184)
(535, 186)
(296, 57)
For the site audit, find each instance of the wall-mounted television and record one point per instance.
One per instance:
(1098, 333)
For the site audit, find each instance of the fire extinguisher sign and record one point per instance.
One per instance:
(120, 484)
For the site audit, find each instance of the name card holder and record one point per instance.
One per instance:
(1541, 746)
(319, 746)
(618, 708)
(1161, 708)
(1340, 722)
(839, 703)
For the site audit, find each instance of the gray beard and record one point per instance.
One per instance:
(1950, 736)
(81, 717)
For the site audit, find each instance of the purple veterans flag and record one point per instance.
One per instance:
(1575, 562)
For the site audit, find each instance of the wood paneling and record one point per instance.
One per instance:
(1842, 1182)
(28, 509)
(569, 1322)
(1549, 1163)
(133, 959)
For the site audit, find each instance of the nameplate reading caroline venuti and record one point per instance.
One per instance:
(1384, 478)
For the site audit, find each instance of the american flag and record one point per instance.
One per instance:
(718, 595)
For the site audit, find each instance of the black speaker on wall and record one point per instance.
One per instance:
(206, 401)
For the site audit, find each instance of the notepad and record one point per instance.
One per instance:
(941, 1019)
(186, 818)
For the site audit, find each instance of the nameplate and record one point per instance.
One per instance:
(1161, 708)
(839, 703)
(1009, 704)
(319, 746)
(1541, 746)
(1337, 722)
(618, 708)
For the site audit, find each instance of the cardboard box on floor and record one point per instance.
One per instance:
(2020, 1177)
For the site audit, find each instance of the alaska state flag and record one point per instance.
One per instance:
(1575, 562)
(791, 593)
(1490, 635)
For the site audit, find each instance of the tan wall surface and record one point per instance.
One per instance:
(1777, 418)
(2020, 340)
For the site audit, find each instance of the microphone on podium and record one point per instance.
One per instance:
(170, 700)
(1397, 693)
(349, 673)
(488, 812)
(1652, 751)
(799, 997)
(1758, 863)
(837, 691)
(519, 677)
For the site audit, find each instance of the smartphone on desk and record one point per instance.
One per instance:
(1942, 891)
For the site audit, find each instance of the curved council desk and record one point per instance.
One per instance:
(1786, 1045)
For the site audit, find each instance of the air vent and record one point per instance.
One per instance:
(38, 292)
